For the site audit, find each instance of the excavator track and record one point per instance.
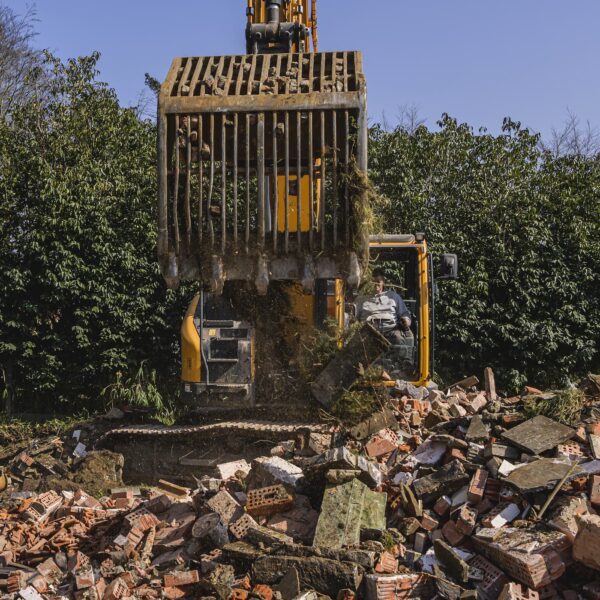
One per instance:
(183, 453)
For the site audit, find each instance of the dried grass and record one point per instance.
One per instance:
(564, 406)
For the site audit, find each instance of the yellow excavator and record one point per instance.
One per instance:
(257, 155)
(256, 158)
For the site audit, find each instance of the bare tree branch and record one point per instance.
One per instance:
(574, 138)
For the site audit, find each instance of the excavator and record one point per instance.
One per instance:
(257, 154)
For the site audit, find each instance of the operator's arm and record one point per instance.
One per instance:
(402, 313)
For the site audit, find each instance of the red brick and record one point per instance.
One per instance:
(453, 536)
(442, 505)
(267, 501)
(386, 563)
(429, 522)
(174, 593)
(116, 589)
(467, 519)
(237, 594)
(477, 486)
(181, 578)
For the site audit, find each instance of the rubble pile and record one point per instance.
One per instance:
(452, 493)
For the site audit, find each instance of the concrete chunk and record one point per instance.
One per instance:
(445, 480)
(538, 434)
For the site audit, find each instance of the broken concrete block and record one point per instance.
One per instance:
(477, 431)
(586, 548)
(225, 505)
(321, 574)
(345, 509)
(210, 529)
(299, 522)
(538, 435)
(565, 515)
(230, 469)
(289, 586)
(277, 470)
(384, 419)
(446, 479)
(429, 453)
(264, 535)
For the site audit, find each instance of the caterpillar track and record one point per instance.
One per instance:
(182, 453)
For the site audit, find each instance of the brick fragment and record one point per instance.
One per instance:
(493, 580)
(467, 519)
(264, 591)
(386, 563)
(516, 591)
(181, 578)
(268, 501)
(595, 491)
(442, 505)
(477, 486)
(451, 533)
(116, 589)
(429, 522)
(586, 548)
(224, 504)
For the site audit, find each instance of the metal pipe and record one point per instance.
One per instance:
(273, 12)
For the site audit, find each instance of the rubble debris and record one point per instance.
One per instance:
(438, 494)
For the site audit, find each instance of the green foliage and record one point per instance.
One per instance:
(82, 296)
(564, 406)
(526, 227)
(140, 389)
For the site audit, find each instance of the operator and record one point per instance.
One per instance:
(387, 313)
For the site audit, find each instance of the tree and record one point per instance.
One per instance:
(21, 65)
(82, 298)
(526, 227)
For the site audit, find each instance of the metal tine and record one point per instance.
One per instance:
(195, 76)
(287, 181)
(299, 179)
(211, 184)
(334, 175)
(184, 75)
(260, 168)
(247, 234)
(275, 202)
(235, 179)
(347, 176)
(200, 179)
(323, 172)
(188, 183)
(176, 189)
(223, 183)
(311, 181)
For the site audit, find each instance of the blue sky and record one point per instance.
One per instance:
(479, 60)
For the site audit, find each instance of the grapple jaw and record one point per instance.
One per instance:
(256, 157)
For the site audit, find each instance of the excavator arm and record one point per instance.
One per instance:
(281, 26)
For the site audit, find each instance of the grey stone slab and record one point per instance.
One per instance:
(538, 435)
(477, 431)
(538, 475)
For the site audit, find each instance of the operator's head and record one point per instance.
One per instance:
(378, 279)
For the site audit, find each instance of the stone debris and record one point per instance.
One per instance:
(440, 494)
